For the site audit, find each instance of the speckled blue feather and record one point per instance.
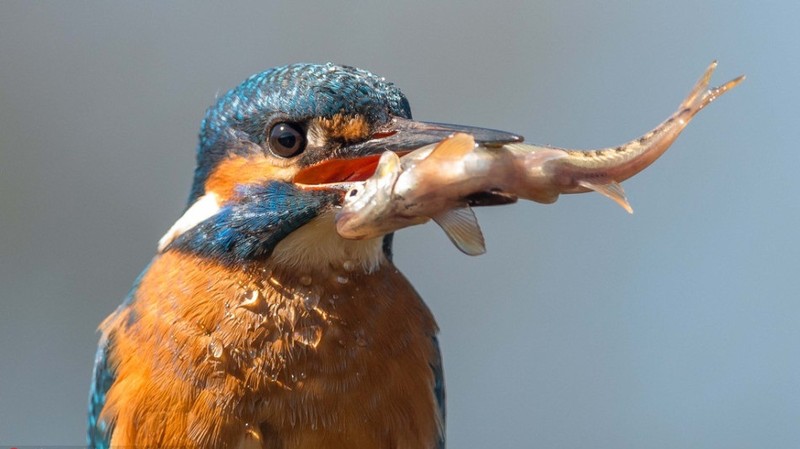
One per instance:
(294, 92)
(103, 379)
(250, 229)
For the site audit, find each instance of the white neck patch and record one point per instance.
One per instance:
(317, 246)
(314, 246)
(205, 207)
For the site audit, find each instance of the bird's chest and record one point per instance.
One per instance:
(326, 359)
(355, 369)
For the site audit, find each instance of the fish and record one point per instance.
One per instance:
(444, 181)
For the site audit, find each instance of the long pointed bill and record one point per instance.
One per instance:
(408, 135)
(357, 162)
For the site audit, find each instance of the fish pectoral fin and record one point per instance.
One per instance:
(611, 189)
(461, 226)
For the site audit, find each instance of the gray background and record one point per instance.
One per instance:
(677, 327)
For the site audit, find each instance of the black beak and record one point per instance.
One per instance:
(357, 162)
(402, 135)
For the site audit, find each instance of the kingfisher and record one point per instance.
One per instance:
(257, 326)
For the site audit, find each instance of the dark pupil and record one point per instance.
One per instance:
(285, 140)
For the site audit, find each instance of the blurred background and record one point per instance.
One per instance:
(678, 326)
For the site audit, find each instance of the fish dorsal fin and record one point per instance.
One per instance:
(462, 227)
(611, 189)
(453, 147)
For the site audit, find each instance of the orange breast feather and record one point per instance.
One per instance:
(207, 355)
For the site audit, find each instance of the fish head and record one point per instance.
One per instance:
(366, 202)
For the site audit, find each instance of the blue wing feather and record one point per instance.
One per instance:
(98, 432)
(103, 376)
(438, 389)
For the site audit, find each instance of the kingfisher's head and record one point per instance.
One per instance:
(272, 148)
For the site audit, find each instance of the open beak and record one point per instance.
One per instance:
(357, 162)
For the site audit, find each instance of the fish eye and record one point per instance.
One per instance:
(286, 139)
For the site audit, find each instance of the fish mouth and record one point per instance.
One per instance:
(357, 162)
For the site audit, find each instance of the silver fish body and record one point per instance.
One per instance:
(443, 180)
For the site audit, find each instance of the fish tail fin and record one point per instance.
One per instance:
(701, 95)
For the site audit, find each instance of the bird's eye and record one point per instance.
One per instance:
(286, 139)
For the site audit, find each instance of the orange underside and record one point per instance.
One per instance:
(195, 366)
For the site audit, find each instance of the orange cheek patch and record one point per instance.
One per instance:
(240, 170)
(350, 128)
